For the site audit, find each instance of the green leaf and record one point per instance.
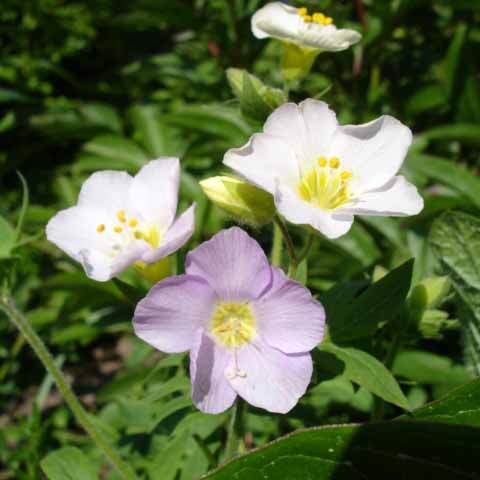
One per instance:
(365, 370)
(103, 115)
(455, 239)
(353, 318)
(68, 463)
(395, 450)
(217, 120)
(460, 406)
(455, 60)
(118, 152)
(7, 238)
(151, 131)
(468, 134)
(445, 171)
(427, 367)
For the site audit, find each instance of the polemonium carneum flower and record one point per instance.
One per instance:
(248, 327)
(304, 35)
(322, 174)
(297, 26)
(121, 220)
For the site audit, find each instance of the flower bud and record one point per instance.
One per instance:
(243, 201)
(429, 293)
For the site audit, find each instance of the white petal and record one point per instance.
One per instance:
(276, 20)
(270, 379)
(106, 190)
(154, 191)
(295, 210)
(397, 198)
(74, 229)
(178, 233)
(374, 151)
(102, 267)
(328, 38)
(308, 128)
(263, 160)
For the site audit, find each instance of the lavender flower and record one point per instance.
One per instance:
(248, 327)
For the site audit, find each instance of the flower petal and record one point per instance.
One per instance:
(277, 20)
(374, 151)
(332, 224)
(262, 160)
(178, 233)
(211, 392)
(272, 380)
(74, 230)
(154, 191)
(308, 128)
(173, 311)
(288, 317)
(397, 198)
(328, 38)
(232, 263)
(102, 267)
(107, 190)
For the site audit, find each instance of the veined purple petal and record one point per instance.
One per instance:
(288, 317)
(232, 263)
(173, 311)
(177, 235)
(211, 392)
(271, 379)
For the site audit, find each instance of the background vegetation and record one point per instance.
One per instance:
(88, 85)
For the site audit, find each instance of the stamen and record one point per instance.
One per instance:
(138, 235)
(325, 185)
(118, 229)
(133, 222)
(121, 216)
(233, 323)
(322, 162)
(334, 162)
(302, 11)
(101, 228)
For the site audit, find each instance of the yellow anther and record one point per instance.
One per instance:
(322, 162)
(334, 162)
(118, 229)
(233, 323)
(138, 235)
(307, 18)
(302, 11)
(133, 222)
(328, 21)
(121, 216)
(101, 228)
(318, 17)
(345, 175)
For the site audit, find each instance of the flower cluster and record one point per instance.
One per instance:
(248, 327)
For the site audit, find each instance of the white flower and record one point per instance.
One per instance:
(120, 220)
(295, 25)
(322, 174)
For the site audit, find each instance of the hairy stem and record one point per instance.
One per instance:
(288, 243)
(82, 417)
(235, 429)
(277, 247)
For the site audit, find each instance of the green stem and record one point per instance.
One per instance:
(277, 247)
(235, 429)
(306, 250)
(289, 244)
(212, 462)
(79, 412)
(379, 405)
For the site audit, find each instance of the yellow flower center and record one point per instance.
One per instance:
(233, 323)
(128, 229)
(326, 185)
(316, 17)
